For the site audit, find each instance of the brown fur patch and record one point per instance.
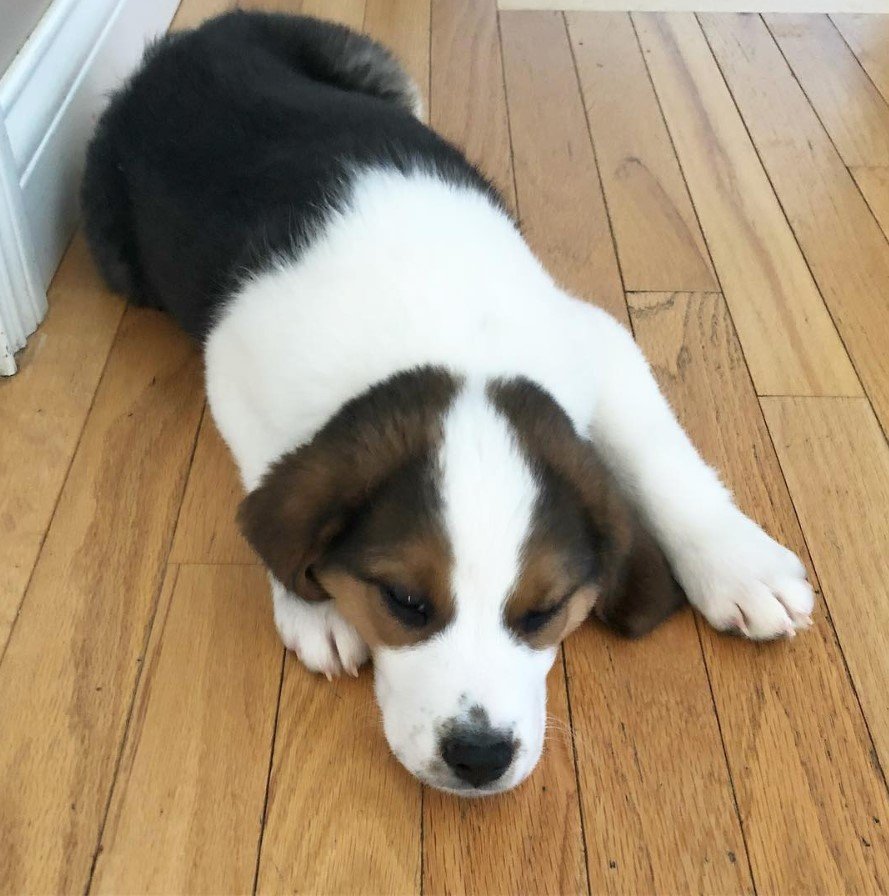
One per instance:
(396, 540)
(560, 564)
(312, 498)
(587, 548)
(361, 603)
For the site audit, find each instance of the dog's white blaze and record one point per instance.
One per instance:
(488, 495)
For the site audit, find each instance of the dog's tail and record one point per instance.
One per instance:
(336, 55)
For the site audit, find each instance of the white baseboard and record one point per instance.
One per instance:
(794, 6)
(50, 98)
(22, 298)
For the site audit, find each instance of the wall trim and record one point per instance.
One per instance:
(33, 90)
(22, 298)
(50, 97)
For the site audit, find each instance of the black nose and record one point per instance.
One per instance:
(477, 756)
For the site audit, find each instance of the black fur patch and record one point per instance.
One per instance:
(232, 143)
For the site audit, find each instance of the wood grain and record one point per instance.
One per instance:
(293, 7)
(659, 242)
(788, 336)
(188, 801)
(71, 665)
(527, 841)
(868, 37)
(343, 816)
(206, 531)
(844, 511)
(845, 248)
(191, 13)
(874, 186)
(347, 12)
(643, 767)
(847, 102)
(560, 198)
(467, 95)
(404, 27)
(812, 800)
(43, 409)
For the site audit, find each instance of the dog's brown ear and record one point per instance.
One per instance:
(308, 497)
(636, 588)
(292, 517)
(639, 592)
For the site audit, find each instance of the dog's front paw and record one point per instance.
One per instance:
(318, 635)
(742, 580)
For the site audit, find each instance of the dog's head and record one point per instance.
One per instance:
(464, 530)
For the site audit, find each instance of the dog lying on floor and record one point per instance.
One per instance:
(450, 463)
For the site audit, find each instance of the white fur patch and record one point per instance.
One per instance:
(415, 272)
(488, 494)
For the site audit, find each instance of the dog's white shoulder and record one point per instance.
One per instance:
(413, 272)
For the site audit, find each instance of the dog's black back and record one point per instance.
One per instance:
(232, 143)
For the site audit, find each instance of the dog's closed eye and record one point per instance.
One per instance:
(408, 607)
(533, 621)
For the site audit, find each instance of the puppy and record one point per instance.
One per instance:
(449, 462)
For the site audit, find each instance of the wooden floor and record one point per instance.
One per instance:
(721, 184)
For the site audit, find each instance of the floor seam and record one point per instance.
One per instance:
(263, 818)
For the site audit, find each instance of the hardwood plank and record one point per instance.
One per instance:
(844, 511)
(846, 250)
(559, 195)
(43, 409)
(404, 27)
(467, 93)
(868, 37)
(187, 806)
(659, 242)
(343, 816)
(655, 822)
(67, 679)
(527, 841)
(874, 186)
(788, 336)
(812, 800)
(192, 12)
(347, 12)
(846, 100)
(206, 531)
(293, 7)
